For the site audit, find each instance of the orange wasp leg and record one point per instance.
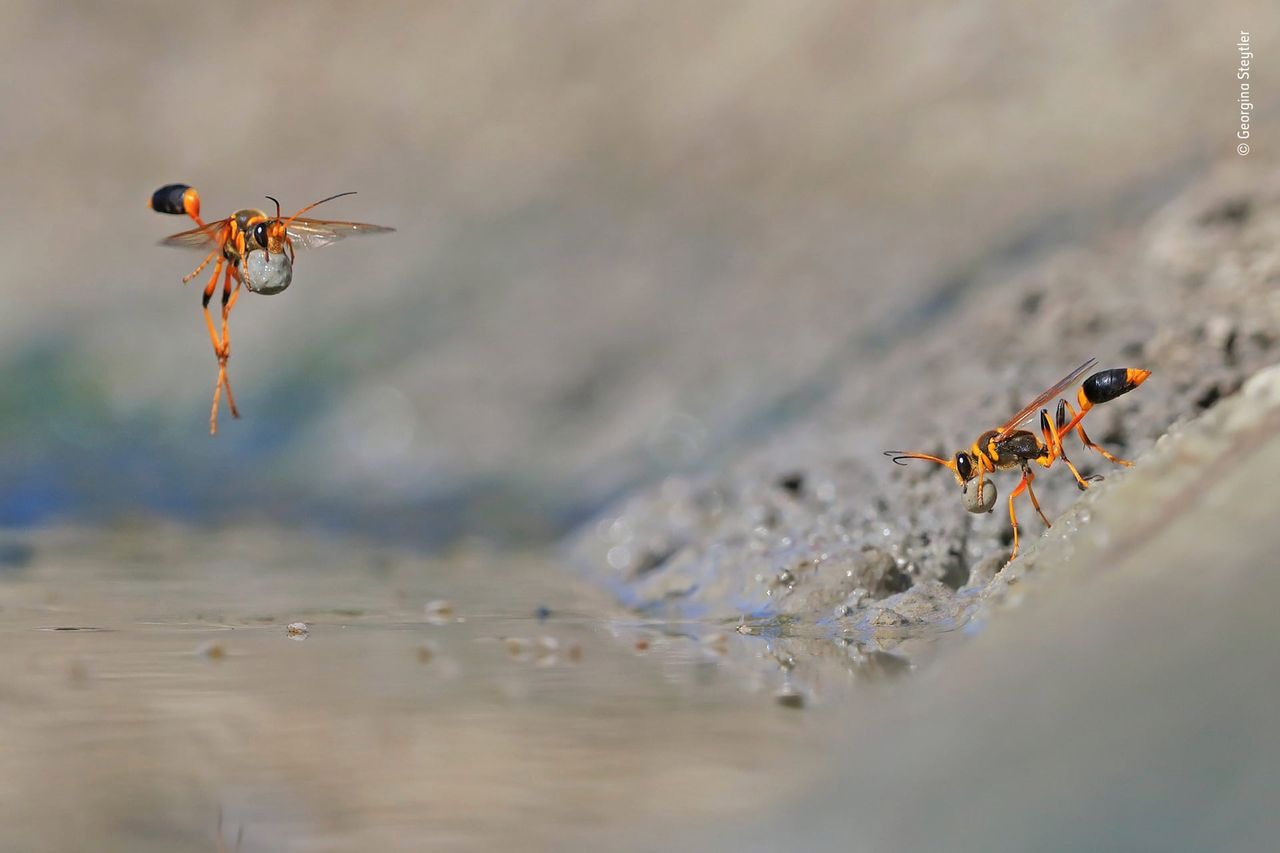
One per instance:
(218, 348)
(1013, 516)
(1024, 485)
(1078, 427)
(195, 272)
(223, 351)
(1053, 441)
(1031, 493)
(228, 300)
(1102, 387)
(229, 297)
(217, 250)
(208, 319)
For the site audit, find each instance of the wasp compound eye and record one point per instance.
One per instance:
(964, 467)
(260, 234)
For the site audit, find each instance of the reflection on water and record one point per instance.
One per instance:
(158, 678)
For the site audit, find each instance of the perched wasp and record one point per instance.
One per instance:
(254, 249)
(1012, 447)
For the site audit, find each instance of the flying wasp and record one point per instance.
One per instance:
(254, 249)
(1010, 446)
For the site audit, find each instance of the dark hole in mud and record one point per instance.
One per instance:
(652, 559)
(1229, 348)
(894, 581)
(1209, 398)
(792, 483)
(1031, 302)
(1133, 350)
(1232, 211)
(956, 574)
(1114, 436)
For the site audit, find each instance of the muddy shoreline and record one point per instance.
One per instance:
(815, 524)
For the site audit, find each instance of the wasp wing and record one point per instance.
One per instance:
(317, 233)
(1031, 409)
(198, 238)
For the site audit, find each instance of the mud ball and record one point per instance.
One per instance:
(267, 274)
(989, 495)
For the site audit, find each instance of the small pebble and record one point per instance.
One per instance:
(546, 653)
(80, 673)
(789, 697)
(439, 612)
(297, 630)
(717, 644)
(518, 647)
(212, 651)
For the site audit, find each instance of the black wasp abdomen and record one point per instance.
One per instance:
(1106, 385)
(169, 199)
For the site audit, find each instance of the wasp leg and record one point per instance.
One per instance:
(1064, 406)
(1013, 515)
(219, 348)
(1102, 387)
(229, 297)
(208, 294)
(1032, 494)
(1024, 485)
(195, 272)
(224, 353)
(1053, 440)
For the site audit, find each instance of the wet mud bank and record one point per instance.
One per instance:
(1121, 691)
(816, 526)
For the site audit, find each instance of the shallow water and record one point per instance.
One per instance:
(152, 684)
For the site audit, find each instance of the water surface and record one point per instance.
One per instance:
(152, 684)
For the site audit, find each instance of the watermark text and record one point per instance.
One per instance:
(1245, 99)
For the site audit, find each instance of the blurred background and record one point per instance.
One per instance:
(632, 237)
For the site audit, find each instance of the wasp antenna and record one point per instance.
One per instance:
(317, 204)
(277, 201)
(332, 197)
(898, 455)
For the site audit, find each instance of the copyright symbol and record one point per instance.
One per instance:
(1242, 149)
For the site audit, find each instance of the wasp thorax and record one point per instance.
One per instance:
(267, 273)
